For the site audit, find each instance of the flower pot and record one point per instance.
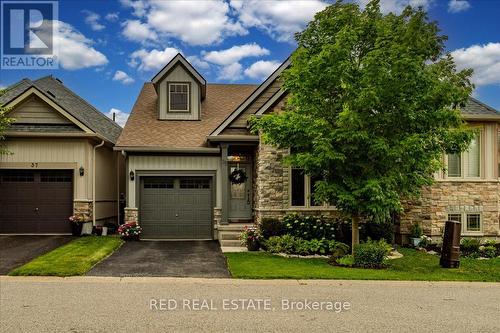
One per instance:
(415, 241)
(76, 229)
(253, 245)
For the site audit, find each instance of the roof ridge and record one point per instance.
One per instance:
(81, 99)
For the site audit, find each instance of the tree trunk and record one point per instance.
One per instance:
(355, 232)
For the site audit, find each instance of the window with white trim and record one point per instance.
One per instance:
(471, 222)
(302, 189)
(466, 164)
(178, 97)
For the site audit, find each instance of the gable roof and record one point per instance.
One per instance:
(180, 60)
(144, 131)
(73, 104)
(247, 102)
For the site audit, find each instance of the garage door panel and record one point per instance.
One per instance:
(36, 201)
(176, 208)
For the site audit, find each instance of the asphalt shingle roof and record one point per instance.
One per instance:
(69, 101)
(475, 107)
(143, 128)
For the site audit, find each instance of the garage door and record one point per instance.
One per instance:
(176, 207)
(35, 201)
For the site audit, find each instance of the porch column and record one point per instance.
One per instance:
(225, 185)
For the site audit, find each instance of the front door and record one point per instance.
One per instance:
(240, 195)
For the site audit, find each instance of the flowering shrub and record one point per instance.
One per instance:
(249, 235)
(425, 241)
(294, 245)
(130, 230)
(308, 227)
(76, 219)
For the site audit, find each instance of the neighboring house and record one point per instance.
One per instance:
(61, 160)
(185, 137)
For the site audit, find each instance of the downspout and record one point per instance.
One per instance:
(93, 181)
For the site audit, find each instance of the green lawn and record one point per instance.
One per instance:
(75, 258)
(413, 266)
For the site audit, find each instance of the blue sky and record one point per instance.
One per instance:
(108, 49)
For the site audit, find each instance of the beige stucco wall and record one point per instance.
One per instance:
(164, 164)
(179, 74)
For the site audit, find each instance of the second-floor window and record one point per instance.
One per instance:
(178, 96)
(468, 163)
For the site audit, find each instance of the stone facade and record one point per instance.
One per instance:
(272, 187)
(84, 209)
(131, 214)
(272, 199)
(452, 197)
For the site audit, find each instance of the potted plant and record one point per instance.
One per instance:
(415, 234)
(250, 237)
(130, 231)
(76, 224)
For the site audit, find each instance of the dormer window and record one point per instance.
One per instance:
(178, 97)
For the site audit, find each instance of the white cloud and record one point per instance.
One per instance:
(235, 54)
(198, 63)
(484, 59)
(456, 6)
(75, 51)
(137, 31)
(231, 72)
(397, 6)
(193, 22)
(152, 60)
(120, 116)
(112, 17)
(92, 20)
(280, 19)
(123, 77)
(261, 69)
(138, 6)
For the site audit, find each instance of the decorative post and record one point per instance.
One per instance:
(225, 185)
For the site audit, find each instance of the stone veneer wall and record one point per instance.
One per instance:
(131, 214)
(431, 210)
(445, 197)
(272, 184)
(83, 208)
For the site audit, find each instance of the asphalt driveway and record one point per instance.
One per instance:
(165, 258)
(18, 250)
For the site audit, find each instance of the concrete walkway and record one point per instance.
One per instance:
(97, 304)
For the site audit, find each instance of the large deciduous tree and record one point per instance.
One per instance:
(374, 101)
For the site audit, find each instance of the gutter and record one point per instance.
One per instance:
(93, 181)
(222, 138)
(200, 150)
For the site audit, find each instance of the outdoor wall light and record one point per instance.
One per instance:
(132, 175)
(82, 171)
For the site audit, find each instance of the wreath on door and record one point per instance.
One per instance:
(238, 176)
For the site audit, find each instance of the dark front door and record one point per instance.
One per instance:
(240, 195)
(176, 207)
(36, 202)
